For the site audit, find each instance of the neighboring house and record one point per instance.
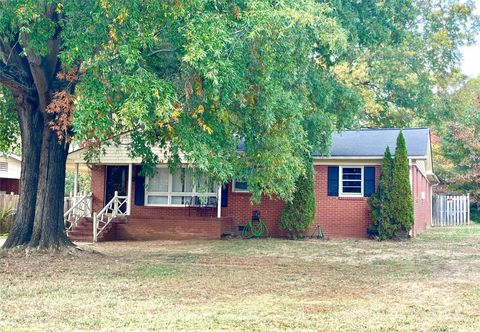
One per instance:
(162, 206)
(10, 166)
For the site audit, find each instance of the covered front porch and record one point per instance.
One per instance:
(128, 206)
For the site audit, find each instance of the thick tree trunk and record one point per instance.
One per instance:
(31, 127)
(49, 228)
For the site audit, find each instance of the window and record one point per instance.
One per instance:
(240, 187)
(351, 181)
(3, 166)
(176, 189)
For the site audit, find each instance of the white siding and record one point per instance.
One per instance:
(114, 154)
(13, 167)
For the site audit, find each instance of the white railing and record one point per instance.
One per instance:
(81, 208)
(111, 211)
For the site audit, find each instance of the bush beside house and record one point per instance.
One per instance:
(298, 215)
(392, 205)
(381, 202)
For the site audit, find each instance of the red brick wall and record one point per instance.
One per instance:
(97, 186)
(422, 207)
(240, 209)
(170, 228)
(337, 216)
(340, 216)
(10, 185)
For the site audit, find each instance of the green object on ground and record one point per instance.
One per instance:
(254, 229)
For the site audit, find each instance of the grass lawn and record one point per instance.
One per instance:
(429, 283)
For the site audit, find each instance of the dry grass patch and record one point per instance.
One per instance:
(429, 283)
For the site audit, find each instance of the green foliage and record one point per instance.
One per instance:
(381, 202)
(392, 204)
(83, 183)
(197, 77)
(298, 214)
(6, 214)
(458, 151)
(421, 39)
(401, 190)
(9, 130)
(200, 76)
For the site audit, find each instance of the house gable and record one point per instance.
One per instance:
(10, 166)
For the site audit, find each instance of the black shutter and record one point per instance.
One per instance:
(333, 180)
(369, 181)
(225, 195)
(139, 187)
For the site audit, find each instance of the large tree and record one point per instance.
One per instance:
(458, 150)
(195, 76)
(406, 81)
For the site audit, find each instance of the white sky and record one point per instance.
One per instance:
(471, 59)
(471, 55)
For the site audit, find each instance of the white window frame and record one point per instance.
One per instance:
(171, 193)
(340, 181)
(235, 190)
(3, 166)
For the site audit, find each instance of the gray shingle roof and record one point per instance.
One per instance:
(373, 142)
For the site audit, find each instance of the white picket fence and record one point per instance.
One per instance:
(8, 201)
(451, 210)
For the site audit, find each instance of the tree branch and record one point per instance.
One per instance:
(161, 50)
(14, 78)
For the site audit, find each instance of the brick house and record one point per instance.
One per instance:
(162, 206)
(10, 167)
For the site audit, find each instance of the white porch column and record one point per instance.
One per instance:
(75, 182)
(410, 174)
(431, 204)
(129, 188)
(219, 201)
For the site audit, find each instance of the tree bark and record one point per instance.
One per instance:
(48, 227)
(33, 82)
(31, 129)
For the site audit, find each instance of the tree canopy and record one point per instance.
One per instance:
(201, 76)
(457, 148)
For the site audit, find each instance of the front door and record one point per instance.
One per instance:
(117, 177)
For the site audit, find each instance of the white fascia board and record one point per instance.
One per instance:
(362, 157)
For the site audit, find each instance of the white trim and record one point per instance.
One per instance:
(410, 175)
(129, 189)
(219, 201)
(362, 157)
(238, 190)
(75, 183)
(431, 205)
(336, 162)
(170, 193)
(340, 181)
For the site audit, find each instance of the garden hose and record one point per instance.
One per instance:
(250, 230)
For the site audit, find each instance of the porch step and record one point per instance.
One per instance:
(83, 231)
